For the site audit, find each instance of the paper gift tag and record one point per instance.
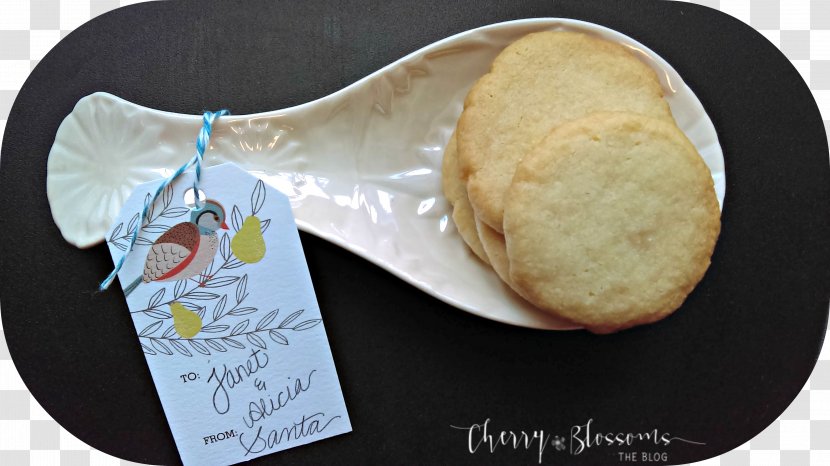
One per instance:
(226, 314)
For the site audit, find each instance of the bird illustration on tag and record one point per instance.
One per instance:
(186, 249)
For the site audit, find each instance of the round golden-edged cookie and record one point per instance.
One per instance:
(611, 221)
(456, 194)
(493, 243)
(534, 85)
(496, 250)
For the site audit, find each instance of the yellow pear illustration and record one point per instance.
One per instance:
(186, 322)
(248, 245)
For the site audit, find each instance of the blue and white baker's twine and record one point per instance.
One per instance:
(201, 144)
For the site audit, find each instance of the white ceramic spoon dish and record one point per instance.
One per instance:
(360, 166)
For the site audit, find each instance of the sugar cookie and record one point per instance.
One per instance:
(456, 194)
(534, 85)
(611, 221)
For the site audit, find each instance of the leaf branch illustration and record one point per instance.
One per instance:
(219, 310)
(183, 295)
(240, 337)
(121, 241)
(257, 201)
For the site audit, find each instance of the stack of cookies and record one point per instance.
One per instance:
(568, 175)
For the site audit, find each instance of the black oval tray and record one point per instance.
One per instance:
(718, 371)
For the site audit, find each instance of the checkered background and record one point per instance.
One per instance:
(29, 28)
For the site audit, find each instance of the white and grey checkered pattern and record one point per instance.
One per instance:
(30, 28)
